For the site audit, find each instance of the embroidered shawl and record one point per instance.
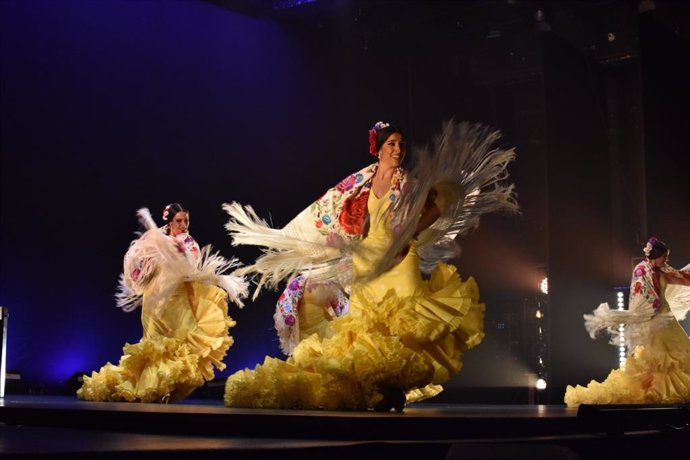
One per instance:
(342, 211)
(316, 243)
(644, 317)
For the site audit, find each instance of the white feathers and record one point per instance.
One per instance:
(463, 165)
(466, 168)
(145, 219)
(155, 265)
(678, 298)
(288, 335)
(640, 320)
(285, 255)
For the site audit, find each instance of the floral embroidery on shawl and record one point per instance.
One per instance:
(191, 247)
(290, 300)
(343, 209)
(645, 287)
(340, 214)
(286, 317)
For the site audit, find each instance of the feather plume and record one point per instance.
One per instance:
(640, 319)
(678, 298)
(465, 165)
(154, 264)
(285, 255)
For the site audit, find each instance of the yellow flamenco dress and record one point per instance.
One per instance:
(185, 323)
(176, 355)
(402, 333)
(657, 372)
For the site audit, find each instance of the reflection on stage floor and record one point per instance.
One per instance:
(64, 427)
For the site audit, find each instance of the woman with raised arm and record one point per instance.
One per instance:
(657, 369)
(183, 294)
(371, 236)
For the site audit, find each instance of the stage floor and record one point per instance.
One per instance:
(64, 427)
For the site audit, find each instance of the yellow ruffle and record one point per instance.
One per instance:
(657, 374)
(261, 388)
(177, 354)
(407, 343)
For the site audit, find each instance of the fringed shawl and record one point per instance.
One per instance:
(644, 317)
(318, 241)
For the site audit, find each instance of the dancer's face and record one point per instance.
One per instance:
(661, 260)
(179, 223)
(392, 151)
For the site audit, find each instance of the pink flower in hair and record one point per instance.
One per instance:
(166, 211)
(650, 245)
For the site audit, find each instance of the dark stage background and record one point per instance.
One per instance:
(108, 106)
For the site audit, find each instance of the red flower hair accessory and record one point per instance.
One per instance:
(372, 135)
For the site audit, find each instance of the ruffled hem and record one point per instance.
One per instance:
(210, 339)
(411, 344)
(650, 377)
(260, 388)
(150, 371)
(441, 325)
(161, 368)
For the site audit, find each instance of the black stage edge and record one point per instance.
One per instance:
(59, 427)
(619, 418)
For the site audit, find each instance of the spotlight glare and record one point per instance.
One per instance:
(540, 384)
(544, 285)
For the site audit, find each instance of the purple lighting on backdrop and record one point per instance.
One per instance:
(71, 360)
(121, 105)
(285, 4)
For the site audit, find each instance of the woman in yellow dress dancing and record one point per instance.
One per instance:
(657, 370)
(184, 315)
(404, 334)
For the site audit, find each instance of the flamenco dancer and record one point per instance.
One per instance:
(374, 247)
(183, 295)
(657, 370)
